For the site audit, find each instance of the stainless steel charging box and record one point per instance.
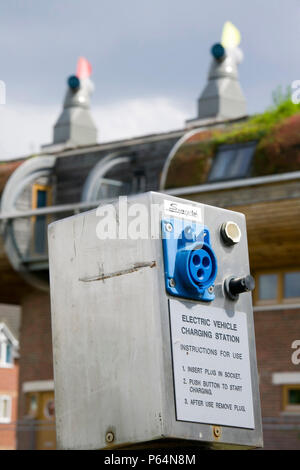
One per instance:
(134, 362)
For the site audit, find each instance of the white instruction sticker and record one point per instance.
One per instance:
(211, 365)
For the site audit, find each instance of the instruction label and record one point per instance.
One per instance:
(211, 365)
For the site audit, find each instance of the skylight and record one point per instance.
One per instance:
(232, 161)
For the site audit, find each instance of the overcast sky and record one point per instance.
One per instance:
(150, 60)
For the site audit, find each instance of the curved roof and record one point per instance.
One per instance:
(277, 133)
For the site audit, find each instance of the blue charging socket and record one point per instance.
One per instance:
(190, 262)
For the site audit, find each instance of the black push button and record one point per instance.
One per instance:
(236, 286)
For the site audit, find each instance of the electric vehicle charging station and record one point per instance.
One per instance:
(153, 333)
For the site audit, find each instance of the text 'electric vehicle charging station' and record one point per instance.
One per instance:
(152, 321)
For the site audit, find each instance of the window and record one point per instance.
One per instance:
(8, 353)
(111, 188)
(291, 398)
(278, 287)
(292, 285)
(32, 400)
(111, 177)
(232, 161)
(268, 286)
(6, 358)
(41, 197)
(8, 346)
(5, 409)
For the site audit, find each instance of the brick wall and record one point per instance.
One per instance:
(35, 341)
(9, 386)
(275, 331)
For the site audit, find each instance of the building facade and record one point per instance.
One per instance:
(222, 158)
(272, 206)
(9, 375)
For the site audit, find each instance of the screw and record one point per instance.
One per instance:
(109, 437)
(211, 289)
(217, 432)
(169, 227)
(172, 283)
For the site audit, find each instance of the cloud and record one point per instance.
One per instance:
(24, 128)
(137, 117)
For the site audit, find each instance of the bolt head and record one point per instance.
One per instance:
(231, 233)
(217, 431)
(211, 289)
(172, 283)
(109, 437)
(169, 227)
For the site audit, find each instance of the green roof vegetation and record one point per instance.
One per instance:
(277, 132)
(261, 124)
